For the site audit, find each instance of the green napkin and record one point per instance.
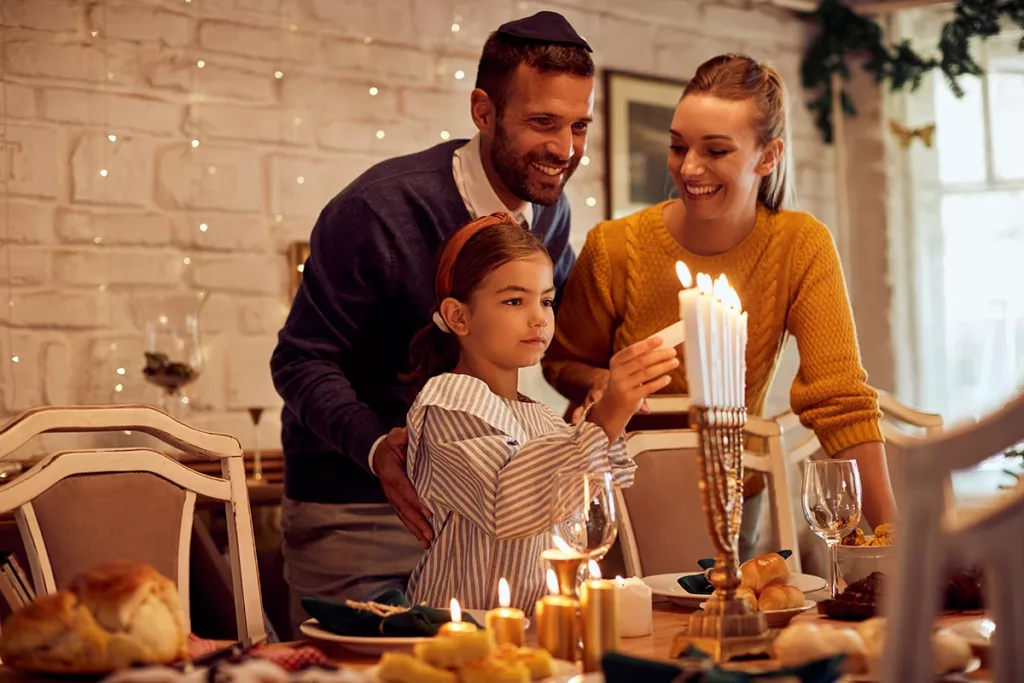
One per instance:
(698, 584)
(619, 668)
(343, 620)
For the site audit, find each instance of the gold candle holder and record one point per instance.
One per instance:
(557, 623)
(506, 625)
(566, 564)
(726, 628)
(599, 612)
(456, 625)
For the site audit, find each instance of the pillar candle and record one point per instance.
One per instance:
(599, 611)
(506, 624)
(557, 629)
(636, 609)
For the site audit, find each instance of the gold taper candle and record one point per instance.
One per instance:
(557, 623)
(599, 610)
(456, 625)
(506, 624)
(566, 563)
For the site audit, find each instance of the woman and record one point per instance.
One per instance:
(728, 160)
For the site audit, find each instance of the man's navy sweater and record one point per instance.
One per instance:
(367, 288)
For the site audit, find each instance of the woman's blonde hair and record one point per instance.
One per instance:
(739, 77)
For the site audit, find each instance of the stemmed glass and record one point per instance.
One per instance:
(174, 356)
(583, 512)
(831, 500)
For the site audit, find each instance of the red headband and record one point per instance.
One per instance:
(446, 267)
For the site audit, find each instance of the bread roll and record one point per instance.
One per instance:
(801, 643)
(950, 652)
(746, 594)
(111, 617)
(56, 634)
(764, 571)
(780, 597)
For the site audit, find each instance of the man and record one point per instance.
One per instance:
(368, 287)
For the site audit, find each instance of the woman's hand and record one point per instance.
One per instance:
(634, 373)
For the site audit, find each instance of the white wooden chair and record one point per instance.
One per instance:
(662, 526)
(81, 507)
(930, 536)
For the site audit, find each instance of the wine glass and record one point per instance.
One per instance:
(831, 501)
(174, 357)
(583, 513)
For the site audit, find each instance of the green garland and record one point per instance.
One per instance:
(842, 34)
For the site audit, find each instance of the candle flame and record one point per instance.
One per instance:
(683, 273)
(504, 594)
(552, 582)
(561, 545)
(704, 283)
(621, 581)
(721, 288)
(456, 612)
(595, 571)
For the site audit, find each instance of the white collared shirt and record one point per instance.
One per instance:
(480, 199)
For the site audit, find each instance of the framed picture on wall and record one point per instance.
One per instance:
(638, 112)
(298, 252)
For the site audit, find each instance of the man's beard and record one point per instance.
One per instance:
(514, 171)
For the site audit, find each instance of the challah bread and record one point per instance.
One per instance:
(111, 617)
(764, 571)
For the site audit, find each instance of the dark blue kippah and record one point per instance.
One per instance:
(544, 27)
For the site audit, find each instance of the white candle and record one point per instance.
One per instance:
(718, 344)
(743, 357)
(636, 612)
(696, 320)
(675, 334)
(722, 294)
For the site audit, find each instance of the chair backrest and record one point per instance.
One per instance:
(78, 508)
(662, 527)
(931, 535)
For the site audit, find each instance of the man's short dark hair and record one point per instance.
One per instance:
(503, 54)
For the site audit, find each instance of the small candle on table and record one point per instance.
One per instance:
(557, 630)
(599, 608)
(506, 624)
(636, 609)
(456, 625)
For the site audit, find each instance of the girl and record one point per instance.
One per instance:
(727, 156)
(482, 456)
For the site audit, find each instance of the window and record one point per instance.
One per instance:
(965, 223)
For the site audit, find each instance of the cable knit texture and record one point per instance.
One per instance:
(789, 278)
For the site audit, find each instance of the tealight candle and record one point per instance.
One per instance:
(456, 625)
(557, 630)
(636, 611)
(506, 624)
(599, 607)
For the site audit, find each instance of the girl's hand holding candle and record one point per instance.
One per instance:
(506, 625)
(636, 611)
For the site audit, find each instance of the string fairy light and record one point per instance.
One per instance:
(6, 243)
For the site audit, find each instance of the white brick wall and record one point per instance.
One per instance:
(87, 251)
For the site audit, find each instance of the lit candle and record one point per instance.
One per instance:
(636, 609)
(675, 334)
(697, 320)
(743, 355)
(720, 342)
(557, 630)
(736, 354)
(456, 625)
(599, 608)
(566, 564)
(506, 624)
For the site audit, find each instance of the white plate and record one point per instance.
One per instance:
(977, 632)
(565, 672)
(375, 645)
(372, 645)
(667, 586)
(952, 677)
(777, 618)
